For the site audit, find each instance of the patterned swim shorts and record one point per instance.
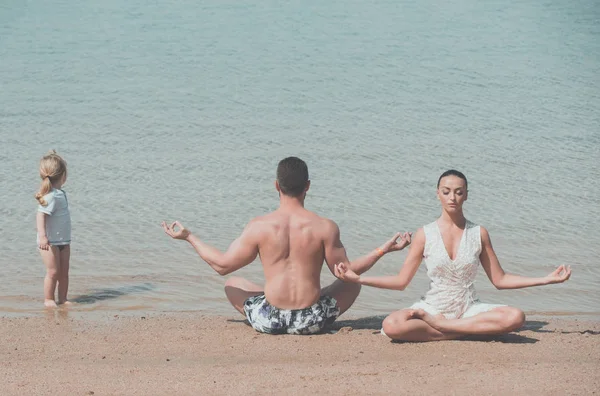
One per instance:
(271, 320)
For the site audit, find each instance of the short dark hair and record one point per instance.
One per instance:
(453, 172)
(292, 175)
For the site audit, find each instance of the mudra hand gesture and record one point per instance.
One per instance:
(393, 245)
(343, 272)
(180, 233)
(559, 275)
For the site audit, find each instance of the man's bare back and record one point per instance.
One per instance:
(292, 243)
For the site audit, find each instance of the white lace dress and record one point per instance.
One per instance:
(451, 290)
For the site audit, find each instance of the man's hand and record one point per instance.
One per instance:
(346, 274)
(44, 244)
(393, 245)
(182, 233)
(559, 275)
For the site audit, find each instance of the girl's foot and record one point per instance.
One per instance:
(66, 302)
(50, 304)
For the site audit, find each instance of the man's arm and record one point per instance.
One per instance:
(241, 252)
(502, 280)
(335, 252)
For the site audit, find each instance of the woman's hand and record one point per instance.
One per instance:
(559, 275)
(181, 233)
(346, 274)
(394, 245)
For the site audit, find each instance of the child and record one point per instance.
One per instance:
(54, 228)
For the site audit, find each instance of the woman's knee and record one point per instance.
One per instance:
(392, 325)
(389, 326)
(514, 318)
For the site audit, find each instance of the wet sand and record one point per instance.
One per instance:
(194, 354)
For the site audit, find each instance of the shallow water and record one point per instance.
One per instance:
(181, 111)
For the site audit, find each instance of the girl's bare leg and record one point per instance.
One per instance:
(405, 325)
(499, 320)
(63, 278)
(51, 259)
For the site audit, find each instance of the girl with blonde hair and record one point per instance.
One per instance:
(54, 228)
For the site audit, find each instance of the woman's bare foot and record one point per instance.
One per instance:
(66, 302)
(433, 321)
(50, 304)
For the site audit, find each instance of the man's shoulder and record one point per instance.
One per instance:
(328, 227)
(274, 219)
(320, 221)
(263, 222)
(329, 224)
(257, 221)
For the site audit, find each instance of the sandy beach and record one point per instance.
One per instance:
(195, 354)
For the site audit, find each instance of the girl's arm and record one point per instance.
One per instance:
(395, 282)
(502, 280)
(40, 220)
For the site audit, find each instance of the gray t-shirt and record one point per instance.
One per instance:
(58, 222)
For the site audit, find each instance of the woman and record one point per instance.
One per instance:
(453, 248)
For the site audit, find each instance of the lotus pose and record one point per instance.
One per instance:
(292, 244)
(453, 248)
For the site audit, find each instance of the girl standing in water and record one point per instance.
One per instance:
(54, 228)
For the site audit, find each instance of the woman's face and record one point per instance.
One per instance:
(452, 193)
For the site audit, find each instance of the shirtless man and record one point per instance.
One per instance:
(292, 243)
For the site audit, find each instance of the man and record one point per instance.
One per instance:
(292, 243)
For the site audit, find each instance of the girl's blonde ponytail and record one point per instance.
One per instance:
(45, 188)
(52, 169)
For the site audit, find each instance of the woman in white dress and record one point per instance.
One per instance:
(453, 248)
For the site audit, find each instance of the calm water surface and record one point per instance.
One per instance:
(182, 110)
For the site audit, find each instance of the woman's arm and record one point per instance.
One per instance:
(502, 280)
(395, 282)
(335, 252)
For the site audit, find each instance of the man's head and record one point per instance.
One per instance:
(292, 177)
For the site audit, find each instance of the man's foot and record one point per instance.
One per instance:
(50, 304)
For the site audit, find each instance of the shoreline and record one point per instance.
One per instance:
(93, 313)
(191, 353)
